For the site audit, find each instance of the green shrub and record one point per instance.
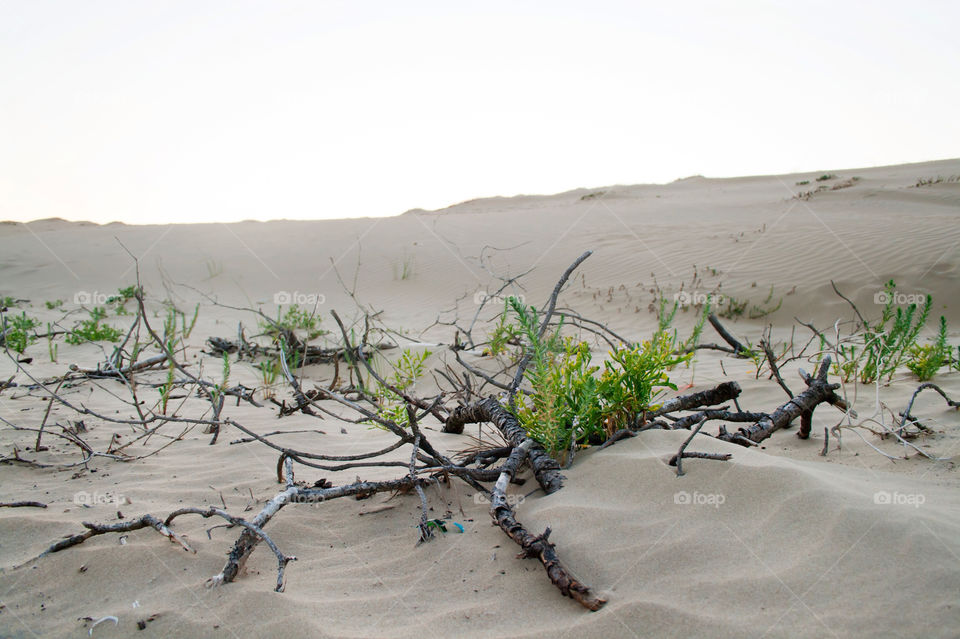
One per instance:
(571, 405)
(21, 332)
(926, 360)
(92, 330)
(295, 319)
(885, 343)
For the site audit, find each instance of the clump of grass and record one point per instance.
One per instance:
(403, 269)
(827, 176)
(93, 329)
(123, 296)
(269, 372)
(18, 331)
(51, 305)
(732, 308)
(294, 319)
(803, 182)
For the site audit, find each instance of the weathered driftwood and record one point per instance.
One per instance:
(739, 349)
(818, 391)
(905, 416)
(249, 538)
(94, 529)
(545, 468)
(537, 546)
(719, 394)
(123, 372)
(308, 354)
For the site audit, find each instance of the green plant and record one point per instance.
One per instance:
(166, 387)
(926, 360)
(409, 368)
(295, 318)
(217, 391)
(54, 304)
(91, 330)
(691, 342)
(826, 176)
(7, 301)
(504, 333)
(406, 372)
(403, 269)
(20, 333)
(185, 328)
(763, 309)
(571, 405)
(803, 182)
(732, 308)
(884, 344)
(269, 372)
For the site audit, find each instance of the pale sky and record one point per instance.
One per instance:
(154, 112)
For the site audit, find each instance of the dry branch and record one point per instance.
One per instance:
(545, 467)
(818, 391)
(537, 546)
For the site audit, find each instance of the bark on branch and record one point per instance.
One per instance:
(545, 467)
(537, 546)
(818, 391)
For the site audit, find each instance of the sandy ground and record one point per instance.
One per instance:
(778, 542)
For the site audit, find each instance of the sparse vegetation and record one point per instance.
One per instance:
(18, 331)
(883, 345)
(404, 267)
(293, 320)
(592, 195)
(940, 179)
(926, 360)
(93, 329)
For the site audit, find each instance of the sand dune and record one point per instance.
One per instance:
(778, 542)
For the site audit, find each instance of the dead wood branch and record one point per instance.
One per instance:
(738, 349)
(923, 387)
(22, 504)
(818, 391)
(537, 546)
(719, 394)
(677, 460)
(545, 468)
(94, 529)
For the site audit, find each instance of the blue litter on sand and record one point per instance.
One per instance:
(440, 524)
